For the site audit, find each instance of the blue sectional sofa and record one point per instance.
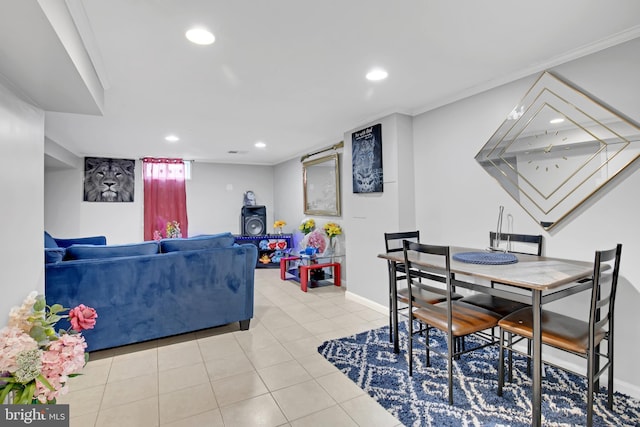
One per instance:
(150, 290)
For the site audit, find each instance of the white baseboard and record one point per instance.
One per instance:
(367, 302)
(632, 390)
(618, 385)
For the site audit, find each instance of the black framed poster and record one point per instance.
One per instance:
(108, 180)
(367, 160)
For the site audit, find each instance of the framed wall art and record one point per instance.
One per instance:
(321, 185)
(108, 180)
(367, 160)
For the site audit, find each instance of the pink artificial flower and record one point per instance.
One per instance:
(64, 357)
(82, 317)
(13, 341)
(19, 316)
(317, 240)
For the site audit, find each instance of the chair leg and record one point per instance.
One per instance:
(501, 364)
(591, 364)
(529, 358)
(456, 348)
(410, 342)
(426, 336)
(450, 345)
(610, 372)
(510, 357)
(596, 367)
(459, 346)
(390, 320)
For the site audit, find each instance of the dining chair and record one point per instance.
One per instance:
(531, 245)
(500, 305)
(393, 243)
(454, 318)
(579, 337)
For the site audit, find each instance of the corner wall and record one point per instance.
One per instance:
(367, 216)
(22, 147)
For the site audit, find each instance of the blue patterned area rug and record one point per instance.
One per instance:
(368, 359)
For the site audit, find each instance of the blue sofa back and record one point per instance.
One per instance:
(53, 242)
(144, 297)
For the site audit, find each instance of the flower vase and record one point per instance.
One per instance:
(331, 248)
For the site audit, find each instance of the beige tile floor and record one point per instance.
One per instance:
(271, 375)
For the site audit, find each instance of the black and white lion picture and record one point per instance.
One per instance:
(108, 180)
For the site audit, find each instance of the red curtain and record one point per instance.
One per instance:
(165, 198)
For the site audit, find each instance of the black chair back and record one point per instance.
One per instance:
(393, 241)
(520, 238)
(416, 273)
(603, 293)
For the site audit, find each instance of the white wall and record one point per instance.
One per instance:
(21, 175)
(457, 202)
(368, 216)
(215, 195)
(66, 215)
(289, 194)
(214, 199)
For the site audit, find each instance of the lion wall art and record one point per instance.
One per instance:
(108, 180)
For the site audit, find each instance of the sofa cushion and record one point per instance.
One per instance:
(111, 251)
(53, 255)
(49, 241)
(92, 240)
(211, 241)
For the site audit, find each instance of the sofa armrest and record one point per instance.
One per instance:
(93, 240)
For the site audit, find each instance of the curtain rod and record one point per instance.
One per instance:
(333, 147)
(169, 158)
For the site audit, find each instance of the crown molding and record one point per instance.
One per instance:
(588, 49)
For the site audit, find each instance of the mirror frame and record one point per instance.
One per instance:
(314, 179)
(550, 167)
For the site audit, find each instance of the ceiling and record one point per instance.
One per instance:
(291, 73)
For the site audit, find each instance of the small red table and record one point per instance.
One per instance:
(307, 267)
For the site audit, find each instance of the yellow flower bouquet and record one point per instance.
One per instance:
(278, 226)
(307, 226)
(332, 229)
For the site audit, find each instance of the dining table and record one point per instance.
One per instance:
(532, 279)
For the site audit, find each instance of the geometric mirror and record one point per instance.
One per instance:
(558, 147)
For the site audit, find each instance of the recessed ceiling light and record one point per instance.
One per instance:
(260, 144)
(172, 138)
(558, 120)
(200, 36)
(377, 74)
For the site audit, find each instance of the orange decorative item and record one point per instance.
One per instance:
(265, 259)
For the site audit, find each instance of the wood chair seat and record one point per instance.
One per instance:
(466, 318)
(558, 330)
